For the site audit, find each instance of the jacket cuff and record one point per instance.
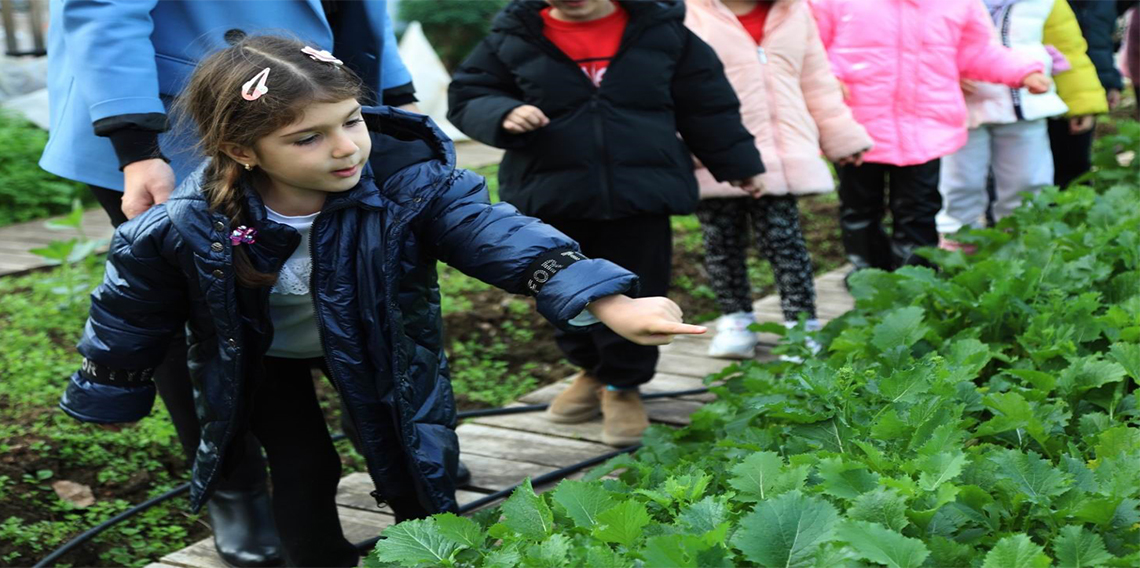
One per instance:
(399, 96)
(736, 165)
(106, 404)
(134, 145)
(155, 121)
(567, 294)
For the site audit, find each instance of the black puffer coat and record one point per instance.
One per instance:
(611, 151)
(376, 295)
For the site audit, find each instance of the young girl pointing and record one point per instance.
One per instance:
(310, 239)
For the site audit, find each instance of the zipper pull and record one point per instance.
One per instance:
(763, 55)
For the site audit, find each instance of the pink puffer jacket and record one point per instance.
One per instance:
(901, 61)
(789, 99)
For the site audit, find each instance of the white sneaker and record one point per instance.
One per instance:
(733, 340)
(811, 325)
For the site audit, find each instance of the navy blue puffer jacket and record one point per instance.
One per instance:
(376, 293)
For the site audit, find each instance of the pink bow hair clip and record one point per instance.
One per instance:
(321, 55)
(243, 235)
(251, 92)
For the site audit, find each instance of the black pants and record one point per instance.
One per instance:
(303, 464)
(1072, 153)
(644, 246)
(914, 201)
(775, 224)
(173, 381)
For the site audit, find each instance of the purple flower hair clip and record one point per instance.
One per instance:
(243, 235)
(321, 55)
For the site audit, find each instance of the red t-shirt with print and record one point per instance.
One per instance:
(592, 45)
(753, 21)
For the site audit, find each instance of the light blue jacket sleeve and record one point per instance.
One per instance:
(393, 72)
(112, 40)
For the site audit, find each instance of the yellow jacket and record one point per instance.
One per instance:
(1079, 87)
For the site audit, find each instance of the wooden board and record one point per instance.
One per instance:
(662, 382)
(354, 490)
(518, 446)
(690, 365)
(665, 411)
(17, 240)
(494, 474)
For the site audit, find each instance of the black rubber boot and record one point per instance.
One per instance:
(244, 532)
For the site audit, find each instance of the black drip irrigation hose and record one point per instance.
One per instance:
(86, 536)
(368, 544)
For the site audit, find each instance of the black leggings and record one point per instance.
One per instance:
(776, 228)
(173, 381)
(303, 464)
(914, 202)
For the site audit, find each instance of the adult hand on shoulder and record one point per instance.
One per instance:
(845, 91)
(753, 185)
(645, 321)
(146, 183)
(968, 86)
(1036, 82)
(1081, 124)
(524, 119)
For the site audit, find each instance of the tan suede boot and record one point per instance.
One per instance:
(623, 417)
(578, 403)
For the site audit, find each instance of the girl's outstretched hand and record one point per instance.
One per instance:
(645, 321)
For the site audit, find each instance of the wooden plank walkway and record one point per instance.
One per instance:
(502, 451)
(17, 240)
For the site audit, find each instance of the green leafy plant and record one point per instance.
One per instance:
(982, 415)
(70, 283)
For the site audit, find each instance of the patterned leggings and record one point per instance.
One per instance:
(776, 225)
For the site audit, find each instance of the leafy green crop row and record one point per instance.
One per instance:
(981, 416)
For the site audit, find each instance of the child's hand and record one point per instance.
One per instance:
(1081, 124)
(645, 321)
(752, 185)
(524, 119)
(855, 159)
(1113, 96)
(1037, 83)
(845, 91)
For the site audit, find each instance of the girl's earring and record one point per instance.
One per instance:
(248, 167)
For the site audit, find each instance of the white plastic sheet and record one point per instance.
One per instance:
(429, 76)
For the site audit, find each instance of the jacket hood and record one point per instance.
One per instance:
(523, 16)
(399, 139)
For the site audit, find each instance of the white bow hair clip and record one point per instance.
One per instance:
(321, 55)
